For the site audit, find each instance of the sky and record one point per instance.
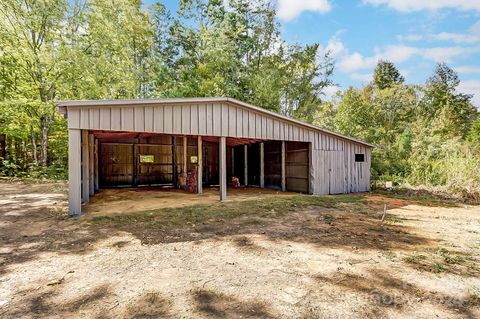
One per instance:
(413, 34)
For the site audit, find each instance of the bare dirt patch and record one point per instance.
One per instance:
(264, 256)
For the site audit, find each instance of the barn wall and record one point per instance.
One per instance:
(335, 171)
(332, 165)
(206, 119)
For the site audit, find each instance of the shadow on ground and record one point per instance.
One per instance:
(382, 290)
(33, 220)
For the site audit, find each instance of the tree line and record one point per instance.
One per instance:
(115, 49)
(105, 49)
(426, 134)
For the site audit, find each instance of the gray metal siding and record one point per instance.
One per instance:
(329, 153)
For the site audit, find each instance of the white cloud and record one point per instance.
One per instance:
(335, 47)
(432, 5)
(448, 54)
(410, 37)
(471, 87)
(401, 53)
(290, 9)
(362, 77)
(355, 61)
(467, 69)
(394, 53)
(457, 37)
(330, 91)
(398, 53)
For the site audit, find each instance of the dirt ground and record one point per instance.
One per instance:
(337, 260)
(128, 200)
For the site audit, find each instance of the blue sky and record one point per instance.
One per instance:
(414, 34)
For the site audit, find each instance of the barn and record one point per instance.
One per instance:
(194, 143)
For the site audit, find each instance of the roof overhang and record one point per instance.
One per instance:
(63, 105)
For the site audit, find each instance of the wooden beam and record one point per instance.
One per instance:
(74, 173)
(91, 165)
(223, 168)
(262, 166)
(200, 166)
(284, 185)
(185, 156)
(85, 170)
(245, 161)
(96, 186)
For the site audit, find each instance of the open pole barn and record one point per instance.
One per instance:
(193, 143)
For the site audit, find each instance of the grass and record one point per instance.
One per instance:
(422, 197)
(269, 207)
(415, 258)
(441, 260)
(450, 257)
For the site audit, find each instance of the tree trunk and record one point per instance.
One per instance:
(3, 148)
(34, 147)
(44, 122)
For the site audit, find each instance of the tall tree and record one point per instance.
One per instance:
(31, 35)
(386, 75)
(451, 112)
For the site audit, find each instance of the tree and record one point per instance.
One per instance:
(451, 113)
(31, 34)
(474, 134)
(386, 75)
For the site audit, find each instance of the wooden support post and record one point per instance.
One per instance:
(311, 170)
(74, 173)
(184, 167)
(262, 166)
(223, 168)
(96, 150)
(284, 184)
(233, 161)
(200, 166)
(91, 165)
(85, 170)
(245, 160)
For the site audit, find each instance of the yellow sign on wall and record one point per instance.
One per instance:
(147, 159)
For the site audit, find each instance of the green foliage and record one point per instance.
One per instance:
(427, 135)
(386, 75)
(104, 49)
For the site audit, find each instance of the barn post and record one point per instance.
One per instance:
(74, 173)
(184, 168)
(85, 170)
(91, 165)
(284, 184)
(96, 187)
(200, 166)
(262, 166)
(245, 160)
(223, 168)
(311, 170)
(233, 161)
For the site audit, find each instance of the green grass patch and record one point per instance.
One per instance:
(450, 257)
(268, 207)
(420, 197)
(415, 258)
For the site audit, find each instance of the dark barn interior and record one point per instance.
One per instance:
(145, 159)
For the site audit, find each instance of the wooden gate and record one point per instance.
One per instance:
(128, 164)
(154, 164)
(116, 164)
(296, 166)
